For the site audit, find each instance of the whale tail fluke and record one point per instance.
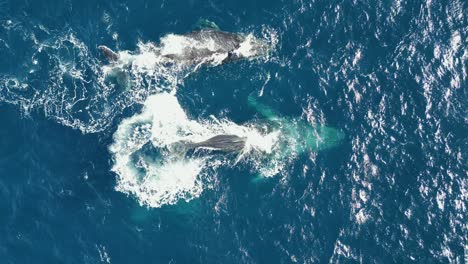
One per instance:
(108, 53)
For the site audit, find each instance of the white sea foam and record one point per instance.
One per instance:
(173, 44)
(148, 168)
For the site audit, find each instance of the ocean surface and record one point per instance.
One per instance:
(369, 99)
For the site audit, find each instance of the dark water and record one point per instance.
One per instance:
(391, 75)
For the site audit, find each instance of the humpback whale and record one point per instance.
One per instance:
(202, 45)
(296, 136)
(223, 143)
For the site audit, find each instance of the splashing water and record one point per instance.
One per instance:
(150, 169)
(166, 64)
(145, 164)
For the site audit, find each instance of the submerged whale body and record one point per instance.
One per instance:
(294, 137)
(199, 46)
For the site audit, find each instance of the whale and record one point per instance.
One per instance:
(223, 143)
(200, 46)
(297, 137)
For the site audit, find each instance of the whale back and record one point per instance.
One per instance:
(226, 41)
(221, 143)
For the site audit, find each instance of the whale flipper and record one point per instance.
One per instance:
(108, 53)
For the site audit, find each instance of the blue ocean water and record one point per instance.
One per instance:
(391, 76)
